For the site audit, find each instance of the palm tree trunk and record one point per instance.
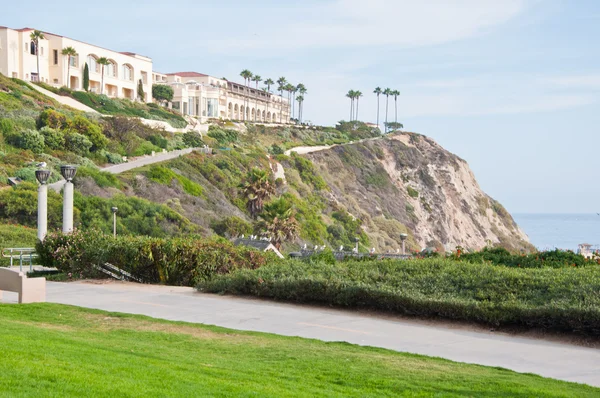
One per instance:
(351, 107)
(102, 81)
(396, 110)
(356, 116)
(294, 107)
(377, 110)
(386, 111)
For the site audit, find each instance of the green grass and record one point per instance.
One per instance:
(56, 350)
(17, 236)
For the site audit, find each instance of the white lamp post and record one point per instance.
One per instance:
(114, 210)
(42, 221)
(68, 173)
(403, 239)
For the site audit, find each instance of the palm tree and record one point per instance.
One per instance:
(269, 82)
(387, 92)
(247, 75)
(377, 91)
(256, 79)
(36, 36)
(279, 222)
(289, 88)
(281, 86)
(301, 90)
(357, 95)
(257, 188)
(300, 98)
(69, 52)
(102, 61)
(350, 94)
(396, 93)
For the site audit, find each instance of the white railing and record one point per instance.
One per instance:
(21, 253)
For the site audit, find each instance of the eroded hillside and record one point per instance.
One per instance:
(409, 180)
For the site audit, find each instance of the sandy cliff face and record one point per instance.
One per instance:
(407, 182)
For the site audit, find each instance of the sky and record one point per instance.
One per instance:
(511, 86)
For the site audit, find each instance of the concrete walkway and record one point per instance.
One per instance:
(134, 164)
(62, 99)
(546, 358)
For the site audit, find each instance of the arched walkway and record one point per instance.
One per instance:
(230, 111)
(236, 112)
(242, 113)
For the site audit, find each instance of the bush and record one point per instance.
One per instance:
(53, 119)
(145, 148)
(413, 193)
(54, 139)
(28, 139)
(500, 256)
(114, 158)
(102, 178)
(81, 125)
(78, 143)
(7, 126)
(181, 261)
(231, 227)
(165, 176)
(223, 137)
(559, 299)
(192, 139)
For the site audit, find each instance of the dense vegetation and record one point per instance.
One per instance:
(85, 352)
(121, 106)
(563, 299)
(499, 256)
(183, 261)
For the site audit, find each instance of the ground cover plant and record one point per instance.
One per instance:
(78, 352)
(565, 299)
(500, 256)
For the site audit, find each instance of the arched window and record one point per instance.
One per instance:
(127, 72)
(110, 70)
(92, 63)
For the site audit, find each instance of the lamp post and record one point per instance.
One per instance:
(42, 221)
(403, 239)
(68, 173)
(114, 210)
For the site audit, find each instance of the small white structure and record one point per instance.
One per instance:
(262, 245)
(30, 290)
(585, 249)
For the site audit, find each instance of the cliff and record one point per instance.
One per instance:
(407, 182)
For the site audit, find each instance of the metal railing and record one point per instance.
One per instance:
(20, 253)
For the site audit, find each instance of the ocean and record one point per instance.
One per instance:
(563, 231)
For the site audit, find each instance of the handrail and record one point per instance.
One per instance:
(20, 252)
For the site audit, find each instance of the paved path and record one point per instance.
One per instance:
(62, 99)
(134, 164)
(550, 359)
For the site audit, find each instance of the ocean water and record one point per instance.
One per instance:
(563, 231)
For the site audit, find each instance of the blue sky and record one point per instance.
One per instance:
(511, 86)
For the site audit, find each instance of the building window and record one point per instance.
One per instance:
(127, 72)
(211, 107)
(32, 48)
(55, 81)
(92, 64)
(110, 69)
(55, 56)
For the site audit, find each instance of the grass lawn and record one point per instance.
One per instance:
(56, 350)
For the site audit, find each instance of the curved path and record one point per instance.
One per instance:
(543, 357)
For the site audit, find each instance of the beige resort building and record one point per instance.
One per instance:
(195, 94)
(207, 97)
(18, 59)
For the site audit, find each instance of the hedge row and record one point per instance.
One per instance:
(566, 299)
(178, 261)
(551, 258)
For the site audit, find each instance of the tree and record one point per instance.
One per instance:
(300, 98)
(357, 95)
(257, 188)
(102, 61)
(69, 52)
(289, 88)
(281, 82)
(302, 91)
(393, 126)
(377, 91)
(140, 90)
(396, 93)
(279, 222)
(247, 75)
(294, 91)
(256, 79)
(36, 36)
(86, 77)
(162, 92)
(269, 82)
(387, 92)
(351, 94)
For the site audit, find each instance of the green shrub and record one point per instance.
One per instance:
(413, 193)
(231, 227)
(563, 299)
(114, 158)
(192, 139)
(83, 126)
(53, 119)
(27, 139)
(102, 178)
(223, 137)
(181, 261)
(159, 141)
(500, 256)
(7, 126)
(145, 148)
(78, 143)
(165, 176)
(54, 139)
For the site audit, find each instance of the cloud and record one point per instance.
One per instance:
(374, 23)
(574, 81)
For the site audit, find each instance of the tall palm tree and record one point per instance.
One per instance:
(357, 95)
(396, 93)
(301, 90)
(36, 36)
(281, 82)
(269, 82)
(300, 99)
(350, 94)
(289, 88)
(387, 92)
(377, 91)
(247, 75)
(294, 91)
(102, 61)
(69, 52)
(256, 79)
(257, 188)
